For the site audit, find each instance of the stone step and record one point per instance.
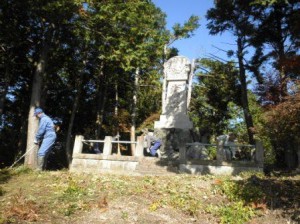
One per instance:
(155, 166)
(157, 170)
(157, 161)
(160, 169)
(143, 166)
(148, 173)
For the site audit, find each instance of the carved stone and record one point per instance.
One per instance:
(174, 109)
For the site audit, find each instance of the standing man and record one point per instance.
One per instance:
(45, 134)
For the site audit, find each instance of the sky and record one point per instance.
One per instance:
(201, 44)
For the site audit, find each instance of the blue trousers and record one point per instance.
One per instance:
(47, 143)
(154, 148)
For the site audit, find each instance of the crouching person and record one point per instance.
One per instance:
(45, 135)
(153, 143)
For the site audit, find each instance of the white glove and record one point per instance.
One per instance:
(35, 142)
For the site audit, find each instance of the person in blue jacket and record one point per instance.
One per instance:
(153, 143)
(45, 135)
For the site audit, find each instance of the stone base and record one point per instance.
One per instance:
(131, 165)
(93, 163)
(178, 121)
(216, 170)
(173, 140)
(124, 165)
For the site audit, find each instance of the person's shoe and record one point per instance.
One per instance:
(158, 152)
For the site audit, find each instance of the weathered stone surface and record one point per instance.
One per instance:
(173, 139)
(155, 166)
(216, 170)
(197, 152)
(174, 103)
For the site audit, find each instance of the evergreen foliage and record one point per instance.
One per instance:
(79, 62)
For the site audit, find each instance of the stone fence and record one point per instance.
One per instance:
(108, 142)
(106, 162)
(256, 152)
(223, 164)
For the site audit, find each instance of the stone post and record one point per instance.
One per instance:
(220, 152)
(259, 153)
(107, 148)
(77, 149)
(182, 154)
(139, 149)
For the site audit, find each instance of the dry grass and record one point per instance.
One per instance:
(63, 197)
(21, 208)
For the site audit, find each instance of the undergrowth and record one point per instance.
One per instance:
(64, 194)
(20, 207)
(246, 199)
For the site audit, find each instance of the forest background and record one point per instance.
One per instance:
(96, 68)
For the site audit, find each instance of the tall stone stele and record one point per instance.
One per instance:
(174, 124)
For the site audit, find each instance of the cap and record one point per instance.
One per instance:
(37, 111)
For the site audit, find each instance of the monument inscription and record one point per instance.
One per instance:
(174, 107)
(177, 68)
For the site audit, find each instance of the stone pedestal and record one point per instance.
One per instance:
(173, 142)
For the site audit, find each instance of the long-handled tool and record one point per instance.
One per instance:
(22, 156)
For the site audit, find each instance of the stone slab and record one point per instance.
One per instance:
(216, 170)
(180, 121)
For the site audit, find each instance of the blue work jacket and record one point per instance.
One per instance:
(46, 126)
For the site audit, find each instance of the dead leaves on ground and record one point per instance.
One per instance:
(102, 204)
(258, 205)
(21, 208)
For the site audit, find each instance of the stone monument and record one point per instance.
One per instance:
(174, 124)
(177, 72)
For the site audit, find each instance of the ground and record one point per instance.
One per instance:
(61, 197)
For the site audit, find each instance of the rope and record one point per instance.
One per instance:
(22, 156)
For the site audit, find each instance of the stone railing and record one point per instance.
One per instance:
(257, 152)
(221, 164)
(257, 157)
(138, 163)
(108, 143)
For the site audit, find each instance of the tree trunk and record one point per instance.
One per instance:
(3, 91)
(79, 82)
(190, 84)
(164, 86)
(133, 116)
(298, 156)
(102, 96)
(116, 115)
(71, 122)
(279, 48)
(31, 148)
(244, 97)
